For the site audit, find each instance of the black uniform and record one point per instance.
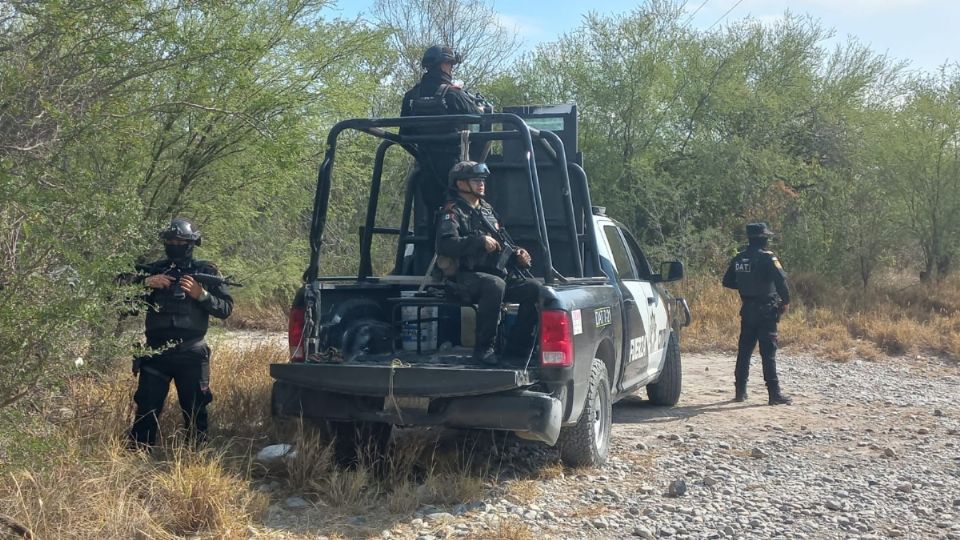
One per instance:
(177, 324)
(460, 236)
(759, 277)
(435, 159)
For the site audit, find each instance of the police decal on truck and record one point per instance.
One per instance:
(638, 348)
(602, 317)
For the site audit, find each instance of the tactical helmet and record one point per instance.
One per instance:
(436, 55)
(181, 228)
(758, 230)
(468, 170)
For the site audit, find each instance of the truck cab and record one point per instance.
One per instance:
(372, 351)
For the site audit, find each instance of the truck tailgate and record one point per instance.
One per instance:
(402, 379)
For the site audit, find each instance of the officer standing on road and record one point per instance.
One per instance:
(176, 323)
(472, 248)
(759, 277)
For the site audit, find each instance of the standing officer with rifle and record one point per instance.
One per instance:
(184, 292)
(437, 94)
(759, 277)
(474, 249)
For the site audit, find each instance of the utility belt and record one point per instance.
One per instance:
(187, 345)
(760, 300)
(768, 307)
(197, 345)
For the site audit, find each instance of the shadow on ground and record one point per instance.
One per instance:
(634, 410)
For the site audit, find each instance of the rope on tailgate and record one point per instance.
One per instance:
(394, 364)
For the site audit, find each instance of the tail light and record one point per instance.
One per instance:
(556, 339)
(295, 334)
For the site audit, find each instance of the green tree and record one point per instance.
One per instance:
(923, 162)
(114, 117)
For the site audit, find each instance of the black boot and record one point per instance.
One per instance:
(776, 397)
(485, 355)
(741, 393)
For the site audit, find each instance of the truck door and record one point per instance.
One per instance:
(658, 329)
(635, 308)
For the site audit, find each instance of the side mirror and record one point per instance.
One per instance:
(670, 271)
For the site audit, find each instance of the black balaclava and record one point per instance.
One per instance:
(438, 74)
(181, 255)
(759, 242)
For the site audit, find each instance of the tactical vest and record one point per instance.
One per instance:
(753, 275)
(474, 219)
(170, 317)
(434, 105)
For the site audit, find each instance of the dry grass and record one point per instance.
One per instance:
(892, 318)
(268, 314)
(505, 528)
(78, 480)
(67, 474)
(510, 528)
(522, 492)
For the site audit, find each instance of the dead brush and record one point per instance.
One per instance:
(888, 319)
(117, 494)
(506, 528)
(241, 383)
(269, 314)
(194, 492)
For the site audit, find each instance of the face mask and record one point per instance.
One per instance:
(760, 242)
(178, 253)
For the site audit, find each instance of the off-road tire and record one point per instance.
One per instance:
(587, 443)
(666, 391)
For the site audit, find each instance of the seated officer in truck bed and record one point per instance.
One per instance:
(475, 250)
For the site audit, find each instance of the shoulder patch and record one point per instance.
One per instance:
(776, 262)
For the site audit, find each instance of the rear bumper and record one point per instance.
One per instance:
(533, 415)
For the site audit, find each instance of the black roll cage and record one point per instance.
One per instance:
(374, 126)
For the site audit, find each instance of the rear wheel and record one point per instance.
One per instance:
(587, 443)
(356, 442)
(666, 391)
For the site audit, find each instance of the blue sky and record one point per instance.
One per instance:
(924, 32)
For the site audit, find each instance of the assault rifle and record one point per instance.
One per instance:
(175, 272)
(506, 261)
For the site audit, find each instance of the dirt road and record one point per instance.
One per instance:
(869, 450)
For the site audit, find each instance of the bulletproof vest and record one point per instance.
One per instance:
(434, 105)
(489, 262)
(753, 274)
(176, 316)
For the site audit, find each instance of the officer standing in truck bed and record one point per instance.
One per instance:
(436, 95)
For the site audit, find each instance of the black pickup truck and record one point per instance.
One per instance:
(372, 351)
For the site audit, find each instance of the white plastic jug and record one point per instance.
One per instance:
(428, 330)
